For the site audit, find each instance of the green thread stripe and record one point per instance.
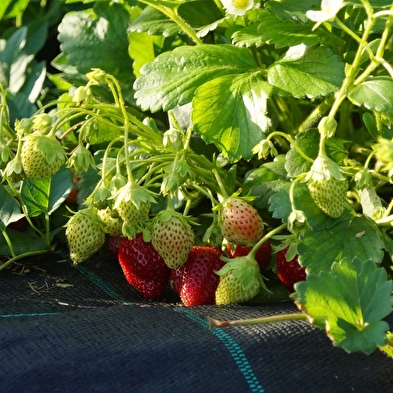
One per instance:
(37, 314)
(94, 278)
(234, 349)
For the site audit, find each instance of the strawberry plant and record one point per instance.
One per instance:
(215, 124)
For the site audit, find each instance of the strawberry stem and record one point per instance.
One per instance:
(9, 243)
(292, 190)
(118, 96)
(21, 256)
(171, 13)
(215, 323)
(223, 190)
(269, 235)
(292, 142)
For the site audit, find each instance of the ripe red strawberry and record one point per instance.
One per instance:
(113, 244)
(143, 267)
(196, 281)
(240, 223)
(41, 156)
(85, 234)
(263, 255)
(172, 237)
(71, 198)
(289, 272)
(19, 225)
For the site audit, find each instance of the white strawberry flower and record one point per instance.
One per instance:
(237, 7)
(329, 10)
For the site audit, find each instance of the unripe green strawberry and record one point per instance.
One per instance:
(329, 195)
(133, 202)
(113, 223)
(131, 214)
(41, 156)
(172, 237)
(240, 281)
(85, 235)
(240, 223)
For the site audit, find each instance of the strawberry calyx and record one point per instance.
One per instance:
(324, 168)
(132, 202)
(167, 214)
(48, 145)
(245, 268)
(240, 280)
(133, 192)
(89, 211)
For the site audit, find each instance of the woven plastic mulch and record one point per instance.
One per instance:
(84, 329)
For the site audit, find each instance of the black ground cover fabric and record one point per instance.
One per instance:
(84, 329)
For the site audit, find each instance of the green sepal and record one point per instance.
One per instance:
(324, 168)
(90, 212)
(49, 146)
(244, 268)
(167, 214)
(135, 193)
(350, 302)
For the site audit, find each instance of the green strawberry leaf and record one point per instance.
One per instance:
(307, 72)
(380, 3)
(248, 36)
(269, 171)
(97, 39)
(230, 112)
(281, 208)
(142, 50)
(352, 236)
(22, 242)
(349, 302)
(375, 94)
(45, 196)
(10, 209)
(103, 131)
(292, 11)
(174, 76)
(203, 15)
(154, 22)
(266, 190)
(308, 142)
(12, 8)
(282, 33)
(369, 200)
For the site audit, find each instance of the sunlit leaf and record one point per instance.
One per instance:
(349, 302)
(352, 236)
(375, 93)
(97, 39)
(172, 78)
(9, 209)
(230, 112)
(282, 33)
(154, 22)
(45, 196)
(307, 72)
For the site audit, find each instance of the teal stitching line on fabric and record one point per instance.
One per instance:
(39, 314)
(96, 280)
(234, 349)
